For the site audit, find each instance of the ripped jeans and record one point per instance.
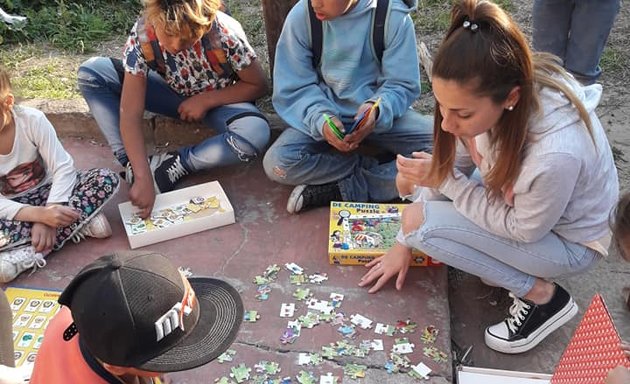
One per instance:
(243, 129)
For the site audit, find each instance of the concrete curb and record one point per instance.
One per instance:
(72, 118)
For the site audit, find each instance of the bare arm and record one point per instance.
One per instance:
(142, 193)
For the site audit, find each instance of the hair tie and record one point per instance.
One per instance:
(471, 25)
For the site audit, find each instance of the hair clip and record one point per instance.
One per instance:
(470, 25)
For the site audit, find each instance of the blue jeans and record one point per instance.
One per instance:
(296, 158)
(452, 239)
(576, 31)
(243, 129)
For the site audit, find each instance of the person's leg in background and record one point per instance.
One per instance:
(551, 25)
(591, 23)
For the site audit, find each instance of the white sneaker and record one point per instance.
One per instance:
(98, 228)
(17, 260)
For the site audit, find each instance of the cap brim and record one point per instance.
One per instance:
(220, 317)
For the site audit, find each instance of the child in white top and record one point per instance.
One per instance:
(44, 201)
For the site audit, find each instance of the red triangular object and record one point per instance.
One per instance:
(593, 350)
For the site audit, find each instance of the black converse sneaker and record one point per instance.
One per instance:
(305, 197)
(166, 168)
(529, 323)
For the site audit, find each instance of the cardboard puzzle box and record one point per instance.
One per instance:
(360, 232)
(178, 213)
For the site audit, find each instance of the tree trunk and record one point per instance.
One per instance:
(275, 11)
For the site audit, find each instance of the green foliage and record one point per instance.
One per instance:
(72, 25)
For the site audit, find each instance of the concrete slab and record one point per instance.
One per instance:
(265, 234)
(474, 306)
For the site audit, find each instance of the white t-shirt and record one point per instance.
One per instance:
(37, 157)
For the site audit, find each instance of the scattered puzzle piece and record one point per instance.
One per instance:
(402, 346)
(354, 371)
(240, 373)
(384, 329)
(317, 278)
(361, 321)
(406, 326)
(429, 334)
(251, 316)
(420, 371)
(224, 380)
(294, 268)
(435, 354)
(226, 356)
(287, 310)
(328, 379)
(309, 320)
(305, 377)
(269, 368)
(302, 294)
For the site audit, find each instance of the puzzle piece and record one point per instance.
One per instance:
(361, 321)
(297, 279)
(354, 371)
(403, 346)
(305, 377)
(302, 294)
(309, 320)
(429, 334)
(287, 310)
(435, 354)
(224, 380)
(377, 345)
(251, 316)
(420, 371)
(226, 356)
(384, 329)
(406, 326)
(269, 368)
(347, 331)
(294, 268)
(240, 373)
(319, 305)
(328, 379)
(336, 299)
(317, 278)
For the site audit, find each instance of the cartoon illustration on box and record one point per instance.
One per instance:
(359, 232)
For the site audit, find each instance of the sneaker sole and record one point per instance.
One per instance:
(524, 345)
(294, 197)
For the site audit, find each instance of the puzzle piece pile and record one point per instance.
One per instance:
(171, 215)
(328, 310)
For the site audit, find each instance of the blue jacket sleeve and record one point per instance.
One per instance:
(297, 97)
(399, 82)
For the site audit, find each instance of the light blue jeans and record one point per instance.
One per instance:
(296, 158)
(243, 129)
(452, 239)
(576, 31)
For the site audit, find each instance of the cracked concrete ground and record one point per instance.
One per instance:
(264, 234)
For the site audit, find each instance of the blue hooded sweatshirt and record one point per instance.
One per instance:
(349, 74)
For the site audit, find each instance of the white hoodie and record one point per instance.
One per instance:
(567, 184)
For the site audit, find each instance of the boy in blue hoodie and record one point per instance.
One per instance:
(349, 78)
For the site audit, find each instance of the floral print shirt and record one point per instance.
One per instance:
(189, 72)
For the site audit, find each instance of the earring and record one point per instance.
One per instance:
(510, 108)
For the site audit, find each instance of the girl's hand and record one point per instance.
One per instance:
(395, 262)
(192, 109)
(405, 186)
(416, 169)
(626, 348)
(58, 216)
(43, 237)
(619, 375)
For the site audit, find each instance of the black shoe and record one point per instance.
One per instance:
(529, 323)
(166, 168)
(305, 197)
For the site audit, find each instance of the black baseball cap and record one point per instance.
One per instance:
(136, 309)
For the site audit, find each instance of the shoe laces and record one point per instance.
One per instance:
(320, 195)
(78, 237)
(176, 171)
(26, 260)
(518, 310)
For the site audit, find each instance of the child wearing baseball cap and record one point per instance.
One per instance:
(132, 316)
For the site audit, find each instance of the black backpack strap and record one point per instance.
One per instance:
(378, 28)
(316, 35)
